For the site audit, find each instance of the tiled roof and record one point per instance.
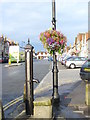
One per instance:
(41, 52)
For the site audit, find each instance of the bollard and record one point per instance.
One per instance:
(9, 62)
(87, 101)
(29, 78)
(24, 93)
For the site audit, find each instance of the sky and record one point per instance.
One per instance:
(22, 20)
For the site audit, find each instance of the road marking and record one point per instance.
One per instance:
(70, 69)
(82, 112)
(5, 107)
(87, 116)
(20, 114)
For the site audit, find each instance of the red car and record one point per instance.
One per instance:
(4, 60)
(0, 60)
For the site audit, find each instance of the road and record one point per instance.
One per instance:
(13, 78)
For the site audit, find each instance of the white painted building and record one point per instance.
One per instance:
(41, 55)
(80, 46)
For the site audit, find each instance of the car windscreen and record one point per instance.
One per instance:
(70, 58)
(86, 64)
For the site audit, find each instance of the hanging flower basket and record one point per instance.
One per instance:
(53, 40)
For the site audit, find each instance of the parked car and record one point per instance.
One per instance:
(50, 58)
(64, 59)
(75, 62)
(67, 59)
(0, 59)
(61, 60)
(85, 71)
(4, 59)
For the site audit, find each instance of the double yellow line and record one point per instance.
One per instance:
(11, 103)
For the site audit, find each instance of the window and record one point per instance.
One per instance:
(77, 59)
(70, 59)
(87, 64)
(83, 59)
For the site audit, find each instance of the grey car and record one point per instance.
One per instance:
(74, 62)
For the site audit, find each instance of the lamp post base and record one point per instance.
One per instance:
(56, 98)
(55, 95)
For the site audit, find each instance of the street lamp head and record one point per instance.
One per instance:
(28, 41)
(5, 38)
(2, 35)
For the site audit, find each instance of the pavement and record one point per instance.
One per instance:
(71, 92)
(13, 64)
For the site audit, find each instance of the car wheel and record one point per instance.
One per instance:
(72, 66)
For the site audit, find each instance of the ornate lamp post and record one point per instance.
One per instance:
(54, 41)
(55, 69)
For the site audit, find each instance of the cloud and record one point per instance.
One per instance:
(27, 18)
(26, 1)
(23, 17)
(64, 1)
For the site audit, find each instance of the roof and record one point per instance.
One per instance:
(42, 52)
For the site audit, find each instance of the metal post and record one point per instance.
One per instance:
(53, 15)
(55, 69)
(55, 79)
(29, 78)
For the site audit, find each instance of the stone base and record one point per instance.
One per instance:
(43, 107)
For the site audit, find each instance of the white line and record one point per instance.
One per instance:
(20, 114)
(79, 112)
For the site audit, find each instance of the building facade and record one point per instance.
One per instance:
(42, 55)
(80, 46)
(4, 46)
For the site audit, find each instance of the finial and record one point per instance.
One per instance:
(5, 37)
(28, 41)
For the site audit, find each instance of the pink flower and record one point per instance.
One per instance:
(57, 42)
(61, 42)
